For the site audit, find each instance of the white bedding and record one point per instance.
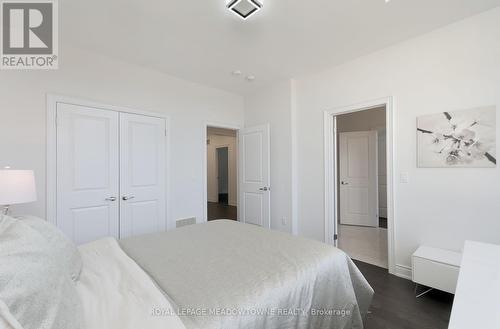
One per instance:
(225, 274)
(117, 293)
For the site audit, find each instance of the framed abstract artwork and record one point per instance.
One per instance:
(465, 138)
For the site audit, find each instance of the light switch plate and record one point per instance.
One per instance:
(404, 178)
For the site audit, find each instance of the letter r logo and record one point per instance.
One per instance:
(27, 28)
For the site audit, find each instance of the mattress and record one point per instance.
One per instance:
(226, 274)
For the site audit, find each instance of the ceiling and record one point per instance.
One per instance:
(200, 41)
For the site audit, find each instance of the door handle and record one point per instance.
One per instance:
(265, 189)
(126, 198)
(344, 183)
(112, 199)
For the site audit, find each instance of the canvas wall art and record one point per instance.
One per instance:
(465, 138)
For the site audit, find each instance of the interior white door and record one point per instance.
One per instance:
(142, 175)
(358, 178)
(87, 172)
(255, 164)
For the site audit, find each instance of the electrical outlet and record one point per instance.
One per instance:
(283, 221)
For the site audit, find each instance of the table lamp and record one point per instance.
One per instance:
(16, 187)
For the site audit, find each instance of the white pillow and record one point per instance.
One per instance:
(62, 247)
(36, 290)
(5, 221)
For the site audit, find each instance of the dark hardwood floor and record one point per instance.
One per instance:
(394, 305)
(221, 211)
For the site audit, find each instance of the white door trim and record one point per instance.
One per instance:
(207, 125)
(330, 167)
(52, 100)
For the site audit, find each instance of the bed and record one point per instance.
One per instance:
(221, 274)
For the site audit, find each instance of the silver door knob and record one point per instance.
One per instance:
(126, 198)
(264, 189)
(112, 199)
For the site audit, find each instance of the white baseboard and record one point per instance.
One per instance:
(403, 271)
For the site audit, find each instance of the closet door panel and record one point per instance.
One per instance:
(87, 172)
(142, 175)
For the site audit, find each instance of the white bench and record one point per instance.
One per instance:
(436, 268)
(476, 303)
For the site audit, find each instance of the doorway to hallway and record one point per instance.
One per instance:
(222, 159)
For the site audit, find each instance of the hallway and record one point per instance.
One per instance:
(221, 211)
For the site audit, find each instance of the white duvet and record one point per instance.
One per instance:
(117, 293)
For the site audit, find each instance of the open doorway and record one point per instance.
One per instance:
(362, 185)
(222, 174)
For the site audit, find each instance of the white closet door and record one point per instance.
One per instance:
(142, 175)
(87, 172)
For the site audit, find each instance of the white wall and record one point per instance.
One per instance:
(453, 68)
(215, 142)
(374, 119)
(89, 76)
(273, 106)
(457, 67)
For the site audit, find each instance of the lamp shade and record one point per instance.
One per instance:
(17, 186)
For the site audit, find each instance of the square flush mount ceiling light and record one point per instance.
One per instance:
(244, 8)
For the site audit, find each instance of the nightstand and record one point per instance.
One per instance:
(436, 268)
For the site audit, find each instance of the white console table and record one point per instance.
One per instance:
(436, 268)
(477, 300)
